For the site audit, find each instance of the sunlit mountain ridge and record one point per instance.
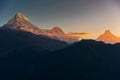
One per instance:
(21, 22)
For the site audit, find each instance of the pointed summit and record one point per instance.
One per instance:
(56, 27)
(108, 37)
(57, 30)
(21, 22)
(107, 32)
(21, 16)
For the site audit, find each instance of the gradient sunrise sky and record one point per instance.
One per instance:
(93, 16)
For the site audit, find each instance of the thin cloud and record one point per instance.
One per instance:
(78, 35)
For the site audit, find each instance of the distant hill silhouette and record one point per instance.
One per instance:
(12, 39)
(21, 51)
(86, 60)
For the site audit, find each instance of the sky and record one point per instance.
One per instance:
(92, 16)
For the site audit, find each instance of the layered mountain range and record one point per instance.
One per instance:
(85, 60)
(30, 53)
(21, 22)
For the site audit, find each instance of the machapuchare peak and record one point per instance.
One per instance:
(108, 37)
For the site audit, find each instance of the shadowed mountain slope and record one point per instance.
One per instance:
(86, 60)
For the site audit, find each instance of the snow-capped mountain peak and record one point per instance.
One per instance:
(21, 22)
(58, 30)
(21, 16)
(108, 37)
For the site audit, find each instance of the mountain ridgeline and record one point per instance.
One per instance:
(21, 22)
(85, 60)
(30, 53)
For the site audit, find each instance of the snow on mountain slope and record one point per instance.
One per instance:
(21, 22)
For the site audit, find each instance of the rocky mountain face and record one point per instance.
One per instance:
(21, 22)
(108, 37)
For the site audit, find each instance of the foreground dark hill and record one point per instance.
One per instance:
(13, 40)
(21, 50)
(86, 60)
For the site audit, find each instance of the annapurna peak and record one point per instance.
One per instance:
(21, 22)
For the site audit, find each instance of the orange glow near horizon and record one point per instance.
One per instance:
(78, 35)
